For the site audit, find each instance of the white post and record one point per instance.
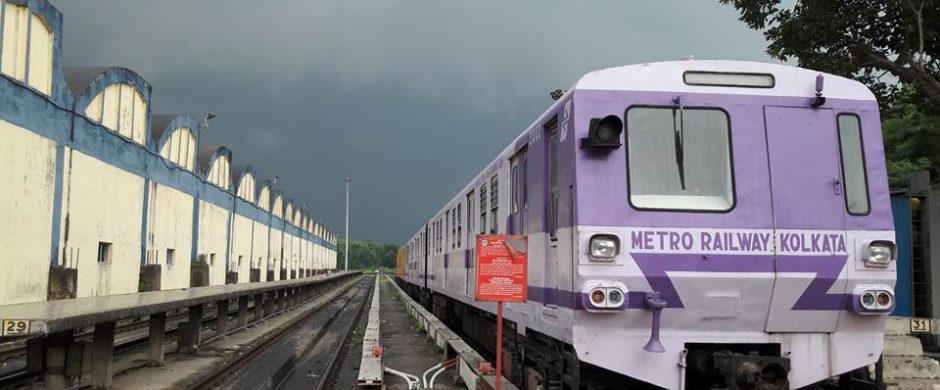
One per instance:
(346, 264)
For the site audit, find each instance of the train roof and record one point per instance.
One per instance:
(668, 77)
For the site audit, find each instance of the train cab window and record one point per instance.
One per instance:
(679, 159)
(854, 179)
(459, 225)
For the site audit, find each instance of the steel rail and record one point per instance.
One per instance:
(223, 372)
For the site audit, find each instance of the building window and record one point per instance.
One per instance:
(15, 40)
(483, 209)
(855, 180)
(121, 108)
(679, 159)
(494, 204)
(212, 259)
(170, 256)
(104, 252)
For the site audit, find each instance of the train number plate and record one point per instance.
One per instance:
(920, 325)
(15, 327)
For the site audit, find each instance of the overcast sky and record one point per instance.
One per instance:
(408, 97)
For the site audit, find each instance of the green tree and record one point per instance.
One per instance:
(365, 254)
(893, 46)
(878, 42)
(911, 137)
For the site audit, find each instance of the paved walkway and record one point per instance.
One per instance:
(407, 348)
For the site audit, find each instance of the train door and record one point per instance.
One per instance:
(469, 252)
(551, 252)
(517, 202)
(809, 219)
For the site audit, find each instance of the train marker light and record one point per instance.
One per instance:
(873, 299)
(614, 297)
(598, 297)
(604, 247)
(604, 134)
(604, 296)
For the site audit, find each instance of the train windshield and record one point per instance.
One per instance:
(679, 159)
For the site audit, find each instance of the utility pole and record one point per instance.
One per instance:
(346, 264)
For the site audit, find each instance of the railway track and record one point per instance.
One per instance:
(303, 353)
(129, 334)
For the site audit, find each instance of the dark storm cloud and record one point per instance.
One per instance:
(408, 97)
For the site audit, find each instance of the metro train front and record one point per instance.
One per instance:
(733, 226)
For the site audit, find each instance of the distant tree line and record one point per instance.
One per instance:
(893, 46)
(365, 254)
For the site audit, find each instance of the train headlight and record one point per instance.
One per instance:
(879, 253)
(873, 299)
(604, 247)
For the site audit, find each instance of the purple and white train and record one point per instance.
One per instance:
(691, 225)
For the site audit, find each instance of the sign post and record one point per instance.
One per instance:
(501, 265)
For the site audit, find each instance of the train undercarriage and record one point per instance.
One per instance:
(538, 362)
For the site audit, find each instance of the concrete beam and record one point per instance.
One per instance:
(259, 307)
(157, 336)
(56, 349)
(221, 317)
(102, 356)
(242, 311)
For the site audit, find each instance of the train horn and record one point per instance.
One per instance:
(656, 304)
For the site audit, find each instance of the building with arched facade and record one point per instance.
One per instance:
(102, 197)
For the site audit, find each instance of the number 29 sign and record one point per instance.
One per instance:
(501, 268)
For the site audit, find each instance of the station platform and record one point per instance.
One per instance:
(48, 317)
(49, 326)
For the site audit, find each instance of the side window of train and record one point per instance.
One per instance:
(483, 209)
(514, 194)
(525, 183)
(470, 209)
(854, 177)
(679, 159)
(494, 203)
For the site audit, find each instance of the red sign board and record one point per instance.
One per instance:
(501, 268)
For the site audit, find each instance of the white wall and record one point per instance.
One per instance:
(275, 251)
(102, 204)
(260, 253)
(241, 247)
(170, 226)
(27, 166)
(213, 240)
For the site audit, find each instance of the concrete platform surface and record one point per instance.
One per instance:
(406, 346)
(60, 315)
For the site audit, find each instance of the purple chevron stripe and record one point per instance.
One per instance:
(816, 297)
